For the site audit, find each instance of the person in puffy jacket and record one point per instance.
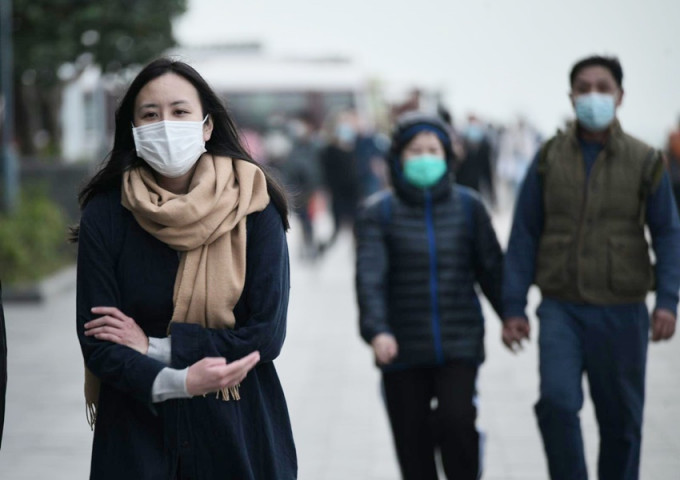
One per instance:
(423, 247)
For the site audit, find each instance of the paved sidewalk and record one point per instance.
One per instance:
(331, 385)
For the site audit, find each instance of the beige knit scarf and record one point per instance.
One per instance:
(208, 226)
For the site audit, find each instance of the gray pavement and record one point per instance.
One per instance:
(331, 385)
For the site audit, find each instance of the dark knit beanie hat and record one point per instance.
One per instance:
(410, 124)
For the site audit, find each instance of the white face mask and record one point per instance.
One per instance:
(171, 148)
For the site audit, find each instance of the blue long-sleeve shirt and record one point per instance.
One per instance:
(527, 227)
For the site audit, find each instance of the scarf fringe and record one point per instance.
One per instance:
(228, 392)
(91, 414)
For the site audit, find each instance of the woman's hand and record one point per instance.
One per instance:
(515, 330)
(214, 373)
(117, 327)
(385, 348)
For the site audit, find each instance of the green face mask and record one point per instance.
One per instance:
(424, 171)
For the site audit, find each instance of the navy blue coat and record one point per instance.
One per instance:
(121, 265)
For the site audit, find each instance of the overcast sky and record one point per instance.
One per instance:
(494, 57)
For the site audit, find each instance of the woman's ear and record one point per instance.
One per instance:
(207, 129)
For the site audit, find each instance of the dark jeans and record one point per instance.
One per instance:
(344, 211)
(418, 429)
(609, 344)
(307, 225)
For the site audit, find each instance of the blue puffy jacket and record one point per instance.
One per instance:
(420, 255)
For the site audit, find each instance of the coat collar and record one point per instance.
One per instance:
(614, 144)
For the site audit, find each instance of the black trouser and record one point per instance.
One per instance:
(418, 429)
(344, 210)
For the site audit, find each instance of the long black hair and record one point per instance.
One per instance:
(224, 141)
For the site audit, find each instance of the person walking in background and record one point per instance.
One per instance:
(579, 235)
(182, 293)
(517, 145)
(339, 165)
(370, 150)
(302, 176)
(421, 249)
(475, 170)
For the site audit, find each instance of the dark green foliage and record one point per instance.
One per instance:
(50, 33)
(33, 239)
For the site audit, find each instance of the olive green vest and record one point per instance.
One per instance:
(593, 247)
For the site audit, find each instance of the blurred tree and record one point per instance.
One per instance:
(55, 40)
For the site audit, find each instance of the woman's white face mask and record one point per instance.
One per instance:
(170, 147)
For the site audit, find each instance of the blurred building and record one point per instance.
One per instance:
(87, 115)
(259, 88)
(257, 85)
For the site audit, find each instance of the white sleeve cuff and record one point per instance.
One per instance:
(170, 383)
(160, 349)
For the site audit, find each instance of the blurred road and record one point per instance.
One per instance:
(332, 388)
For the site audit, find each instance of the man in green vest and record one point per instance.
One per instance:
(579, 235)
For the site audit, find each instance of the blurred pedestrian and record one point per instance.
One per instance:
(276, 146)
(421, 249)
(370, 150)
(475, 171)
(338, 161)
(3, 367)
(254, 144)
(302, 176)
(579, 234)
(516, 147)
(182, 291)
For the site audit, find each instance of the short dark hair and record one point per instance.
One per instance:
(610, 63)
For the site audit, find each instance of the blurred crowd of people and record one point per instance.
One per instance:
(181, 192)
(590, 203)
(330, 166)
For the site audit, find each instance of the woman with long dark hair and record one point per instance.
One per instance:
(182, 293)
